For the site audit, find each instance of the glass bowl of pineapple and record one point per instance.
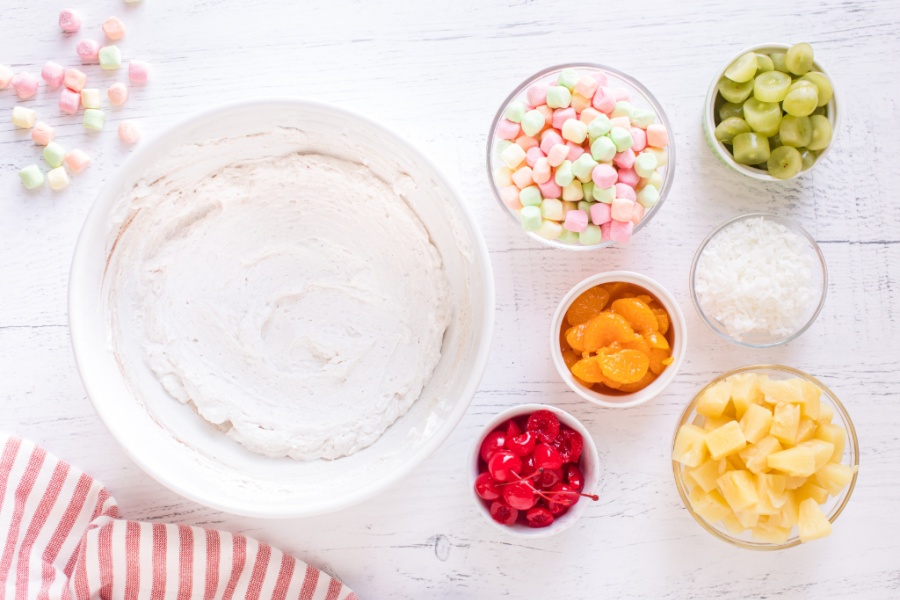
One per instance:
(765, 457)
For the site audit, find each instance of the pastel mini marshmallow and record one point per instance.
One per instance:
(549, 230)
(522, 177)
(623, 122)
(557, 154)
(541, 171)
(579, 102)
(642, 117)
(69, 101)
(69, 21)
(586, 86)
(53, 74)
(621, 209)
(509, 195)
(657, 136)
(113, 28)
(622, 109)
(90, 98)
(527, 142)
(604, 175)
(550, 189)
(604, 100)
(661, 154)
(567, 78)
(576, 220)
(77, 161)
(54, 154)
(506, 129)
(590, 236)
(531, 218)
(513, 156)
(552, 208)
(23, 117)
(549, 139)
(58, 178)
(532, 155)
(625, 191)
(638, 213)
(604, 229)
(32, 177)
(558, 96)
(42, 134)
(514, 112)
(117, 94)
(645, 164)
(537, 94)
(603, 149)
(564, 175)
(628, 177)
(588, 115)
(574, 131)
(624, 159)
(25, 84)
(93, 119)
(6, 77)
(648, 196)
(621, 94)
(574, 151)
(620, 232)
(561, 115)
(533, 122)
(530, 196)
(573, 192)
(503, 176)
(75, 80)
(601, 213)
(87, 50)
(639, 137)
(110, 57)
(583, 166)
(604, 195)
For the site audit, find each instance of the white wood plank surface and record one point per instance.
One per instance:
(436, 73)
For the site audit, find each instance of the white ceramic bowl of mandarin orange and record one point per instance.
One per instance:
(673, 335)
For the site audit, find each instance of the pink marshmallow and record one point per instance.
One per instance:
(576, 220)
(507, 130)
(526, 142)
(621, 209)
(77, 161)
(624, 159)
(588, 114)
(561, 115)
(657, 136)
(510, 196)
(604, 230)
(604, 100)
(557, 155)
(625, 191)
(541, 171)
(522, 177)
(69, 101)
(638, 213)
(69, 21)
(574, 151)
(620, 232)
(87, 50)
(531, 156)
(623, 122)
(42, 134)
(537, 94)
(549, 139)
(621, 94)
(25, 84)
(586, 86)
(604, 176)
(628, 177)
(75, 80)
(639, 138)
(600, 76)
(53, 74)
(601, 213)
(549, 189)
(117, 94)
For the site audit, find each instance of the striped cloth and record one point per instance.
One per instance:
(61, 537)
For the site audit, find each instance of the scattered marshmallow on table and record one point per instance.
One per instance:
(117, 94)
(75, 80)
(87, 50)
(6, 76)
(42, 134)
(54, 154)
(58, 178)
(69, 21)
(90, 98)
(139, 72)
(113, 28)
(93, 119)
(69, 101)
(25, 84)
(77, 161)
(53, 74)
(110, 57)
(32, 177)
(23, 117)
(129, 132)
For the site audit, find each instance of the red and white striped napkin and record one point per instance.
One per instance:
(61, 537)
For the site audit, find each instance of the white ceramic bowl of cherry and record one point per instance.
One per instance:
(589, 463)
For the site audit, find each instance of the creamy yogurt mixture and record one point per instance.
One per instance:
(296, 301)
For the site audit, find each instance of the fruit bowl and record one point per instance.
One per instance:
(589, 464)
(830, 407)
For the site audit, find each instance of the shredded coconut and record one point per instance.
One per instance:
(756, 277)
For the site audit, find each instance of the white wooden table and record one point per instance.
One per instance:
(436, 72)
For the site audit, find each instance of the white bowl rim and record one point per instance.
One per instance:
(77, 306)
(679, 348)
(591, 476)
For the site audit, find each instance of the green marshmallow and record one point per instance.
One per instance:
(642, 118)
(623, 108)
(622, 139)
(31, 177)
(503, 145)
(531, 218)
(110, 57)
(94, 119)
(648, 196)
(603, 149)
(54, 154)
(585, 206)
(645, 164)
(583, 166)
(605, 195)
(587, 189)
(568, 237)
(515, 111)
(558, 97)
(590, 236)
(598, 127)
(530, 196)
(568, 78)
(532, 122)
(564, 174)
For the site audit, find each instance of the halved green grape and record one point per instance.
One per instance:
(821, 133)
(751, 148)
(800, 83)
(823, 83)
(735, 92)
(784, 162)
(731, 109)
(730, 127)
(744, 68)
(763, 117)
(764, 63)
(795, 131)
(771, 86)
(808, 157)
(799, 58)
(778, 61)
(800, 101)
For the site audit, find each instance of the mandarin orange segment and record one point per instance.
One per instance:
(637, 386)
(570, 358)
(637, 313)
(624, 366)
(662, 317)
(604, 330)
(659, 360)
(587, 306)
(639, 343)
(575, 337)
(655, 340)
(588, 369)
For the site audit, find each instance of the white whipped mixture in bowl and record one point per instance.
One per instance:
(280, 308)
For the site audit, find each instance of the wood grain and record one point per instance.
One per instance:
(436, 73)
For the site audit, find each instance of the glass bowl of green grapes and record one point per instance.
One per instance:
(771, 112)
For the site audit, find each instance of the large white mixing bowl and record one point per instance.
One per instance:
(187, 454)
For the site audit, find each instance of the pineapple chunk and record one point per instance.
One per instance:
(835, 434)
(826, 413)
(813, 523)
(744, 392)
(725, 440)
(822, 451)
(756, 423)
(770, 534)
(806, 429)
(799, 461)
(739, 489)
(755, 456)
(811, 490)
(771, 492)
(834, 477)
(789, 513)
(706, 474)
(793, 482)
(690, 446)
(811, 394)
(784, 391)
(785, 423)
(710, 506)
(714, 400)
(747, 518)
(735, 462)
(733, 525)
(711, 423)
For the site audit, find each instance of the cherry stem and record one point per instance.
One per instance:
(538, 472)
(593, 497)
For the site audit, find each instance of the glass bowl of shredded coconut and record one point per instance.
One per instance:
(759, 280)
